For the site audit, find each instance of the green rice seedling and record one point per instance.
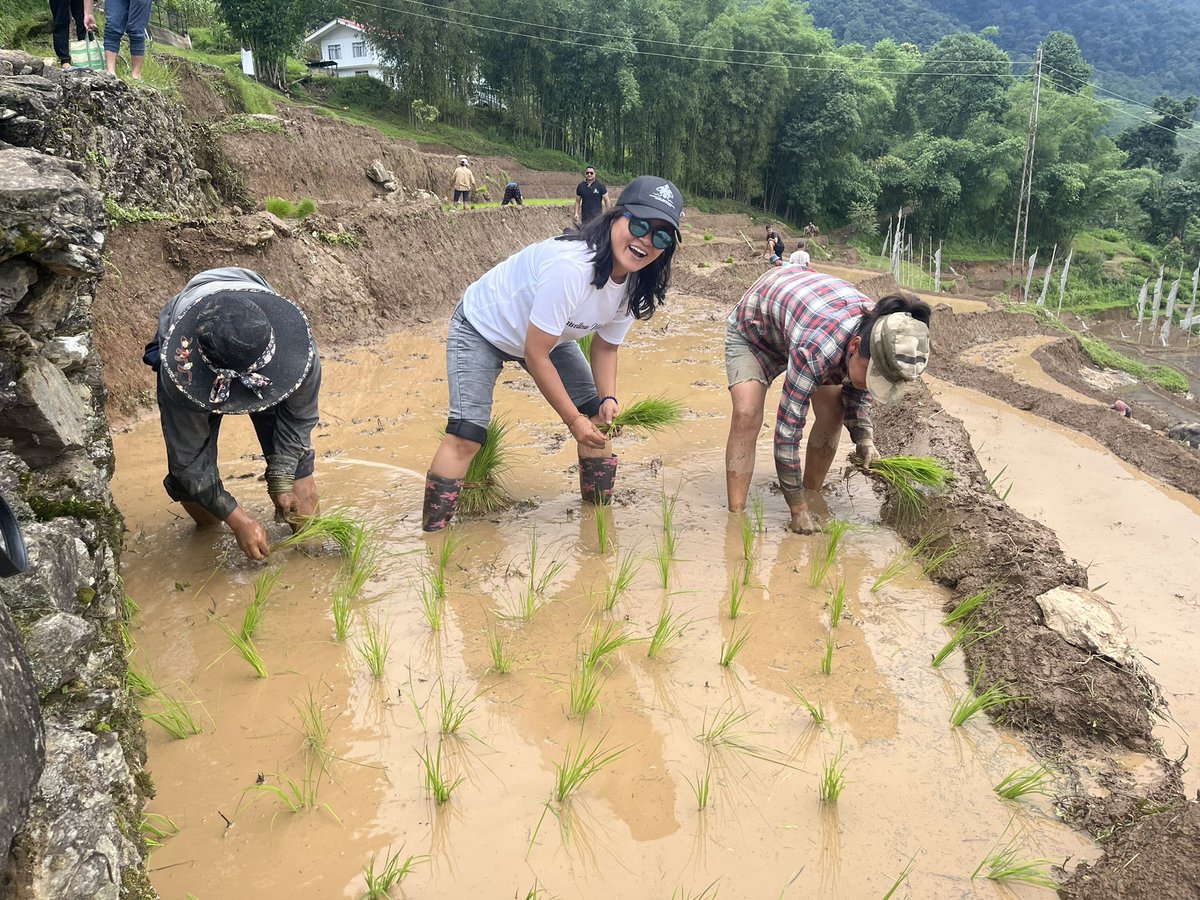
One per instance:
(586, 683)
(131, 608)
(966, 635)
(454, 708)
(837, 604)
(446, 550)
(933, 557)
(501, 657)
(731, 648)
(833, 778)
(433, 605)
(437, 781)
(603, 529)
(246, 649)
(908, 477)
(1018, 783)
(524, 605)
(758, 510)
(667, 631)
(826, 556)
(297, 796)
(827, 656)
(362, 561)
(662, 564)
(619, 579)
(975, 701)
(667, 511)
(737, 593)
(578, 766)
(314, 729)
(141, 683)
(893, 570)
(482, 491)
(174, 718)
(994, 481)
(816, 710)
(607, 639)
(263, 585)
(1005, 865)
(720, 730)
(900, 879)
(702, 787)
(341, 613)
(748, 537)
(374, 646)
(709, 893)
(156, 828)
(539, 584)
(647, 416)
(336, 527)
(585, 344)
(391, 873)
(968, 606)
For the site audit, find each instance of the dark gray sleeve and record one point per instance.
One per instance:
(191, 439)
(295, 419)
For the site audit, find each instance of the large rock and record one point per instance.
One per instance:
(1086, 621)
(59, 568)
(69, 353)
(47, 416)
(18, 62)
(20, 733)
(1186, 433)
(26, 102)
(48, 213)
(58, 648)
(17, 276)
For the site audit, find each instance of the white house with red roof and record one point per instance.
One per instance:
(346, 43)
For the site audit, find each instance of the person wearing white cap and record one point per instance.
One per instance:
(837, 353)
(463, 182)
(531, 309)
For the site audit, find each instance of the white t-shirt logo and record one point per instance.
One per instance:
(663, 194)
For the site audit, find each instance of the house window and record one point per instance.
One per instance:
(334, 51)
(359, 48)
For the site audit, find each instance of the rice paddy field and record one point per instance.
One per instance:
(652, 699)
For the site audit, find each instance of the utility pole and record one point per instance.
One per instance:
(1023, 201)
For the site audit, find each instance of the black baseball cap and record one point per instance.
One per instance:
(653, 198)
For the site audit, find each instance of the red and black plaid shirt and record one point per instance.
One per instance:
(799, 322)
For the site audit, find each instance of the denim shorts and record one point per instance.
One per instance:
(462, 195)
(473, 364)
(740, 362)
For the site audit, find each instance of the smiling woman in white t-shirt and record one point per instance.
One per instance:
(531, 308)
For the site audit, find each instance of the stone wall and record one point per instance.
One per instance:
(72, 783)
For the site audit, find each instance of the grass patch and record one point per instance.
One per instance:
(132, 215)
(248, 123)
(286, 209)
(1106, 357)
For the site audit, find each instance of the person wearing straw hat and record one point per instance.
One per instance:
(462, 183)
(530, 309)
(228, 344)
(837, 352)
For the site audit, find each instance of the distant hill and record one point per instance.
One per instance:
(1140, 48)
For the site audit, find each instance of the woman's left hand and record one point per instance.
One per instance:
(608, 410)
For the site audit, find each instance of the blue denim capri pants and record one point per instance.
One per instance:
(130, 17)
(473, 364)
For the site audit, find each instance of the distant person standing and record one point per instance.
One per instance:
(63, 12)
(462, 183)
(775, 247)
(591, 197)
(800, 256)
(811, 231)
(122, 17)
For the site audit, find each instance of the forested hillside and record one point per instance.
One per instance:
(1140, 49)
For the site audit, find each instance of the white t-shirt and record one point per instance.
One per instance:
(547, 284)
(800, 258)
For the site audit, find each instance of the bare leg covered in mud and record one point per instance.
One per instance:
(819, 452)
(744, 425)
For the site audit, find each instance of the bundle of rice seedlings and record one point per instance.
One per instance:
(585, 344)
(647, 416)
(909, 477)
(335, 527)
(482, 491)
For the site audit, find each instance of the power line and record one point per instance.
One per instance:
(1130, 100)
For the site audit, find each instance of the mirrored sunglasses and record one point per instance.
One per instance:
(638, 227)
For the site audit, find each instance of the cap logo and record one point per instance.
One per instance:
(663, 195)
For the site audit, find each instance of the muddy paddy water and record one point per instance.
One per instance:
(917, 790)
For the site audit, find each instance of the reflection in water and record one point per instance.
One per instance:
(635, 822)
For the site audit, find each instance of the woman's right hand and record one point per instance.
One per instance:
(586, 433)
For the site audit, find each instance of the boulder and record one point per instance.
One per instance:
(17, 276)
(18, 62)
(59, 566)
(21, 733)
(1186, 433)
(70, 354)
(47, 416)
(48, 213)
(1085, 620)
(382, 176)
(26, 102)
(58, 647)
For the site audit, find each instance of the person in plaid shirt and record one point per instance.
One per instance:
(837, 352)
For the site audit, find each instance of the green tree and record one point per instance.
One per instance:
(1153, 144)
(1063, 62)
(962, 76)
(272, 29)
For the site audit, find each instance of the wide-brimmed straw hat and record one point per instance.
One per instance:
(899, 354)
(239, 351)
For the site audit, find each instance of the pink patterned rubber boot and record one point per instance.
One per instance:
(597, 474)
(441, 500)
